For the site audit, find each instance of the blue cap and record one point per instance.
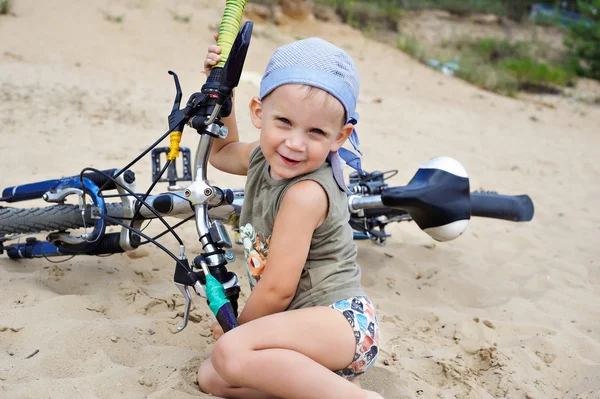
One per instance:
(318, 63)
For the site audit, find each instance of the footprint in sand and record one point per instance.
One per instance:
(385, 383)
(137, 254)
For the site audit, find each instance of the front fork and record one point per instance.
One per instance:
(213, 281)
(203, 112)
(210, 278)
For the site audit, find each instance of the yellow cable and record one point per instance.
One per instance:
(175, 138)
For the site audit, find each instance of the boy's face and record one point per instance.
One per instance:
(299, 127)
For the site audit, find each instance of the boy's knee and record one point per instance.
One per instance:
(226, 360)
(208, 379)
(204, 376)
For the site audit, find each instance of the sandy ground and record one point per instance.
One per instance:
(506, 311)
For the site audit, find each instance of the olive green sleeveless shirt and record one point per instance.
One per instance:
(331, 272)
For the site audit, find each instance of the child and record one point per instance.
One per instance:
(307, 314)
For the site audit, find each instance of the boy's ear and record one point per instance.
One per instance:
(342, 136)
(256, 112)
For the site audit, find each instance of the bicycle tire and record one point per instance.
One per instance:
(51, 218)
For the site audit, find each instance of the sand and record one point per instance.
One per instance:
(506, 311)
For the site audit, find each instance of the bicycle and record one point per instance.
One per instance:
(438, 198)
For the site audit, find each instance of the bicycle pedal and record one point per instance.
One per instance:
(172, 175)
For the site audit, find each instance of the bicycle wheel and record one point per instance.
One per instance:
(51, 218)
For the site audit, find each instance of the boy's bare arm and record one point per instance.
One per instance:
(229, 154)
(303, 209)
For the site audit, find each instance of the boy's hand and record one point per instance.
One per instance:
(217, 330)
(212, 57)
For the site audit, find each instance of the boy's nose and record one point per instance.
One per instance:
(295, 141)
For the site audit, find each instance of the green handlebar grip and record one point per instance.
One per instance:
(215, 294)
(219, 304)
(230, 26)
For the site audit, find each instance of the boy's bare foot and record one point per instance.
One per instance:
(372, 395)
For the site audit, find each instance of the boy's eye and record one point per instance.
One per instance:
(317, 130)
(284, 120)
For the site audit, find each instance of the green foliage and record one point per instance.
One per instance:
(515, 9)
(516, 65)
(266, 2)
(411, 46)
(182, 18)
(527, 71)
(494, 64)
(492, 49)
(4, 7)
(395, 6)
(547, 20)
(486, 76)
(584, 39)
(460, 6)
(518, 9)
(361, 14)
(114, 18)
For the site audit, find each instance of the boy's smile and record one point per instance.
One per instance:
(299, 126)
(289, 161)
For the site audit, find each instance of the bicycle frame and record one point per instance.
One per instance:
(200, 194)
(437, 198)
(213, 281)
(202, 111)
(372, 206)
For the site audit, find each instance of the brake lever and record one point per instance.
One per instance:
(185, 278)
(177, 116)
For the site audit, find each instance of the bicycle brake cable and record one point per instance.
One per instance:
(143, 202)
(215, 94)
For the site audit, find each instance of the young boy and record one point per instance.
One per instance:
(307, 314)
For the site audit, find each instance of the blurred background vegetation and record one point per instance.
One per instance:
(504, 63)
(4, 7)
(505, 46)
(515, 9)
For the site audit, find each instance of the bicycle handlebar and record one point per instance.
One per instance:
(229, 28)
(358, 202)
(217, 90)
(515, 208)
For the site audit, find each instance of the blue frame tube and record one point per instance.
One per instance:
(31, 191)
(36, 249)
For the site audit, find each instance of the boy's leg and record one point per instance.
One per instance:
(208, 377)
(210, 382)
(290, 355)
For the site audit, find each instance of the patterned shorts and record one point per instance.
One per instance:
(360, 313)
